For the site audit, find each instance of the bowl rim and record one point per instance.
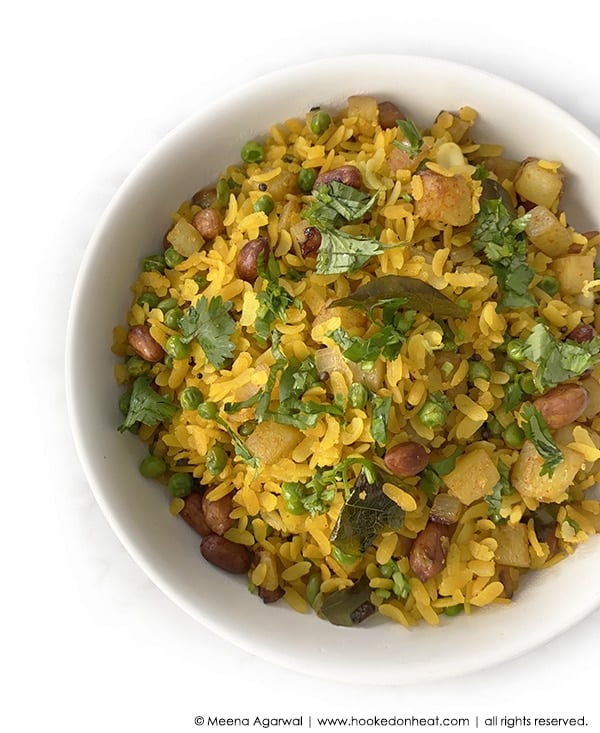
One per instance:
(261, 85)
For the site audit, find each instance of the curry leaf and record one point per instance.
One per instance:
(366, 513)
(414, 294)
(349, 606)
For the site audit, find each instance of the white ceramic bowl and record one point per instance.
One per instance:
(168, 551)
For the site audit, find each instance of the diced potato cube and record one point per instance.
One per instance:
(503, 168)
(270, 441)
(513, 545)
(547, 233)
(445, 198)
(592, 387)
(573, 271)
(185, 238)
(473, 477)
(539, 185)
(526, 475)
(363, 106)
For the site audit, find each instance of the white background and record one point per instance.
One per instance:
(88, 643)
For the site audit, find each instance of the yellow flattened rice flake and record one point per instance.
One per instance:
(395, 613)
(386, 547)
(488, 594)
(294, 572)
(399, 496)
(176, 505)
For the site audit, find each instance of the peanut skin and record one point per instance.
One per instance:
(389, 114)
(428, 554)
(582, 333)
(248, 258)
(216, 514)
(406, 459)
(225, 554)
(562, 405)
(143, 344)
(348, 174)
(312, 242)
(209, 222)
(192, 513)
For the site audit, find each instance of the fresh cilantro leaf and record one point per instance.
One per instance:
(341, 252)
(337, 204)
(209, 322)
(146, 406)
(274, 301)
(238, 445)
(538, 433)
(502, 488)
(555, 360)
(513, 395)
(380, 413)
(499, 236)
(413, 142)
(387, 342)
(432, 477)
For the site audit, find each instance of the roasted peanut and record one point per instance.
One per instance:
(216, 514)
(192, 513)
(406, 459)
(209, 222)
(429, 551)
(562, 405)
(143, 344)
(225, 554)
(348, 174)
(389, 114)
(248, 258)
(312, 242)
(205, 198)
(582, 333)
(270, 596)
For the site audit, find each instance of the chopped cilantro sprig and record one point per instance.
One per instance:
(537, 432)
(208, 321)
(147, 406)
(500, 237)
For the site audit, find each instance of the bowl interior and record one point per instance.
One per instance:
(191, 157)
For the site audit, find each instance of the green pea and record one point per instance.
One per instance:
(190, 398)
(136, 366)
(252, 152)
(319, 122)
(313, 586)
(514, 350)
(388, 569)
(465, 304)
(200, 281)
(152, 467)
(478, 370)
(527, 384)
(151, 299)
(344, 558)
(509, 368)
(247, 428)
(264, 204)
(180, 484)
(306, 179)
(166, 304)
(290, 493)
(173, 316)
(513, 436)
(154, 263)
(494, 426)
(432, 415)
(208, 410)
(222, 193)
(172, 257)
(216, 459)
(454, 610)
(358, 395)
(549, 285)
(176, 348)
